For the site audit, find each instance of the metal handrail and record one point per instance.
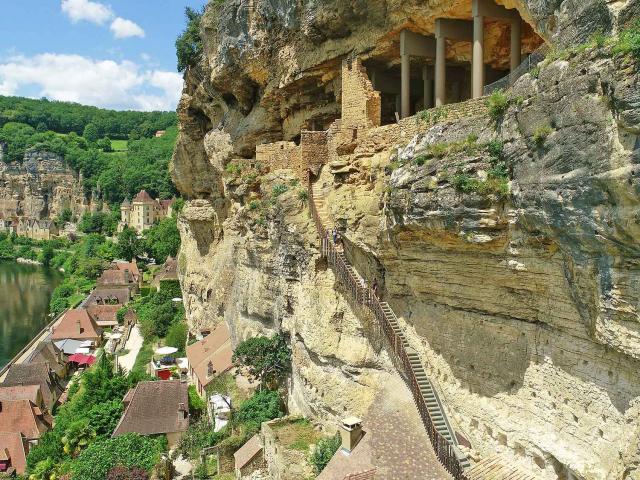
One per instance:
(448, 454)
(525, 67)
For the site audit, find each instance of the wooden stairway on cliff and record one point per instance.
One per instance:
(406, 359)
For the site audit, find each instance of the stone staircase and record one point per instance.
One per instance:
(405, 358)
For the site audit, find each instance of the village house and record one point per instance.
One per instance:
(37, 229)
(106, 295)
(168, 273)
(8, 225)
(156, 408)
(33, 393)
(25, 418)
(143, 211)
(210, 357)
(47, 352)
(77, 324)
(117, 277)
(160, 133)
(105, 316)
(23, 374)
(13, 453)
(131, 267)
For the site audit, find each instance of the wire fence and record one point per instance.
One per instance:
(525, 67)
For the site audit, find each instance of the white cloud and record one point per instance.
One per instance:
(99, 13)
(8, 88)
(103, 83)
(123, 28)
(93, 12)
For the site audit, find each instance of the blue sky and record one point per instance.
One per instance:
(112, 53)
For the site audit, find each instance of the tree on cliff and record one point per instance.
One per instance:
(189, 43)
(267, 360)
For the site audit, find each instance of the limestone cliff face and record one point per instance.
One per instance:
(521, 298)
(40, 187)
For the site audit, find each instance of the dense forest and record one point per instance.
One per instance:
(115, 151)
(66, 117)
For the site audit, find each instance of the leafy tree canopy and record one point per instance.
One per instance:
(189, 43)
(162, 240)
(265, 359)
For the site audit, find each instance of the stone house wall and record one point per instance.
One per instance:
(256, 463)
(281, 155)
(361, 104)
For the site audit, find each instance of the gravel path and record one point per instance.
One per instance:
(134, 344)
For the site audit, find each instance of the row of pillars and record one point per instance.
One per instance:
(414, 45)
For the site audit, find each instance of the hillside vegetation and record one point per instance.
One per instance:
(115, 151)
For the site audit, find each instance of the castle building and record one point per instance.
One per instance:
(37, 229)
(143, 211)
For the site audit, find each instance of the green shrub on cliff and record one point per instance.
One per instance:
(189, 43)
(267, 360)
(629, 40)
(498, 103)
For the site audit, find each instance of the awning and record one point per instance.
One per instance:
(166, 350)
(82, 359)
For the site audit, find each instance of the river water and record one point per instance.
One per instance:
(25, 291)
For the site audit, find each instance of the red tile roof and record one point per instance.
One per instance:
(143, 197)
(21, 392)
(76, 324)
(103, 294)
(34, 374)
(215, 351)
(24, 417)
(132, 266)
(13, 447)
(116, 277)
(104, 315)
(155, 408)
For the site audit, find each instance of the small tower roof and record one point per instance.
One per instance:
(143, 196)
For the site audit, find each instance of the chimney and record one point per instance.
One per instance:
(78, 325)
(210, 370)
(127, 276)
(183, 409)
(351, 433)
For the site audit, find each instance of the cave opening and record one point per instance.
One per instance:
(464, 53)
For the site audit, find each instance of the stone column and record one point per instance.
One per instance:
(405, 85)
(477, 67)
(427, 87)
(516, 43)
(441, 73)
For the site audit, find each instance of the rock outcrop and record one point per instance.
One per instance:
(40, 187)
(506, 244)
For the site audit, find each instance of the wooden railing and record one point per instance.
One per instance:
(449, 455)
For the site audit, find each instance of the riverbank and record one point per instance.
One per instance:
(28, 349)
(25, 294)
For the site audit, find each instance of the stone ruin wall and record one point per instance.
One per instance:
(361, 104)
